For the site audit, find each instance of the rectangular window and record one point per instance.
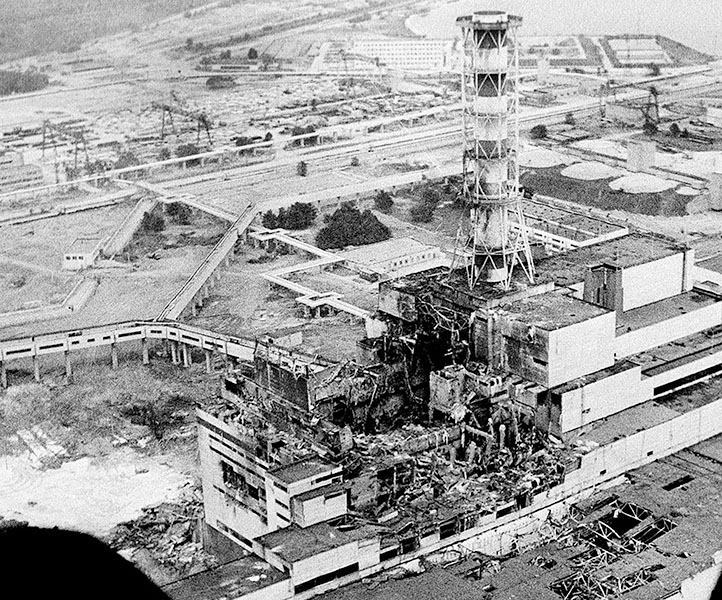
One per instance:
(233, 479)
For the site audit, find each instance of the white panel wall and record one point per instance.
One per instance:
(690, 368)
(653, 281)
(324, 562)
(602, 398)
(581, 349)
(667, 331)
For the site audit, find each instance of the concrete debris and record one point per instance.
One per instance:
(164, 540)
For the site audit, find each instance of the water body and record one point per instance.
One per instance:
(695, 23)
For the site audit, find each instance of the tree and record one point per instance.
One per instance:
(152, 223)
(179, 213)
(189, 43)
(355, 162)
(300, 215)
(569, 119)
(538, 132)
(674, 130)
(225, 55)
(302, 169)
(252, 54)
(269, 220)
(349, 226)
(654, 69)
(164, 154)
(384, 202)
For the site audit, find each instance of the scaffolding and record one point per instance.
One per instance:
(495, 240)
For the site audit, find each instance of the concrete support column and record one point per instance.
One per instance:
(114, 355)
(209, 361)
(187, 359)
(68, 366)
(144, 347)
(194, 308)
(36, 368)
(174, 352)
(3, 375)
(226, 364)
(205, 291)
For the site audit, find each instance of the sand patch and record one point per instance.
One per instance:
(641, 183)
(590, 171)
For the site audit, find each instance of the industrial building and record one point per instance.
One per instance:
(15, 174)
(486, 398)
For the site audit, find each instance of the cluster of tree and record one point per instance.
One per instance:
(152, 223)
(179, 213)
(538, 132)
(383, 202)
(300, 215)
(348, 226)
(423, 211)
(224, 55)
(22, 82)
(298, 131)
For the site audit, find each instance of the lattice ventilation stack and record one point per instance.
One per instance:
(495, 242)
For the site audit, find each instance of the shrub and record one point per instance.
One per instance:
(152, 223)
(538, 132)
(384, 202)
(422, 213)
(179, 213)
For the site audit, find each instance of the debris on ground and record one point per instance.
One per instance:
(165, 541)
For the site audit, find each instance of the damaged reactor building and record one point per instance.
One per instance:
(485, 399)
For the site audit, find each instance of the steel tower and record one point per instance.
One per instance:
(496, 239)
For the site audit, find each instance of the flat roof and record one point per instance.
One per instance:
(554, 310)
(322, 491)
(663, 310)
(628, 422)
(227, 582)
(303, 469)
(618, 367)
(373, 254)
(629, 250)
(83, 244)
(294, 543)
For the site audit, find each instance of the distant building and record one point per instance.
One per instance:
(82, 253)
(422, 55)
(15, 174)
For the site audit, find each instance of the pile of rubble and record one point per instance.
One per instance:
(165, 540)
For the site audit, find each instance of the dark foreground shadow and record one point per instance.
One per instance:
(51, 563)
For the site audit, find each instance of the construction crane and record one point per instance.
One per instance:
(202, 120)
(650, 111)
(55, 132)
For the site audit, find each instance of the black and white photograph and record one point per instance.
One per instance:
(361, 299)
